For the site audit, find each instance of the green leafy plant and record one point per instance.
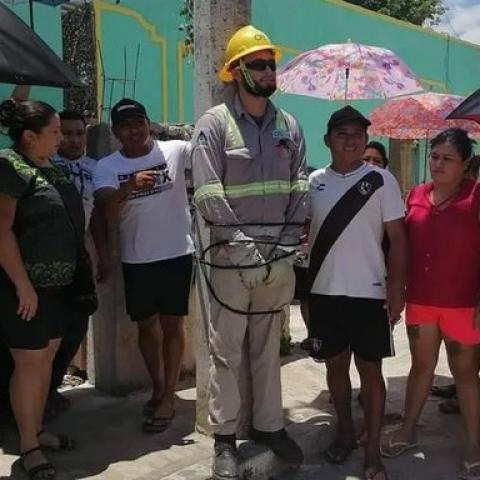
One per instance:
(186, 13)
(413, 11)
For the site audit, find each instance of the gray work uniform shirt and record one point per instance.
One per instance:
(248, 177)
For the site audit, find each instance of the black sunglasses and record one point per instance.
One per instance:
(260, 65)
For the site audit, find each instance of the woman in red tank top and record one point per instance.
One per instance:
(443, 287)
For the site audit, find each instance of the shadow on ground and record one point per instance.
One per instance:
(107, 430)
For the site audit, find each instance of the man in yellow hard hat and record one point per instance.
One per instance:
(250, 186)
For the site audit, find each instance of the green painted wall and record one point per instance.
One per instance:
(151, 26)
(444, 64)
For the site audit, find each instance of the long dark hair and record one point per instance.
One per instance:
(27, 115)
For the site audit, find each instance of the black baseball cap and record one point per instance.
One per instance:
(347, 114)
(127, 108)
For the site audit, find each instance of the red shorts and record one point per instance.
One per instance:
(454, 323)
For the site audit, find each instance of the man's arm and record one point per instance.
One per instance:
(21, 93)
(396, 268)
(212, 203)
(111, 200)
(207, 170)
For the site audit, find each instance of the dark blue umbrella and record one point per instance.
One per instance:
(469, 109)
(25, 59)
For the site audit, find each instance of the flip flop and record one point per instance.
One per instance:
(376, 473)
(42, 471)
(449, 406)
(64, 442)
(157, 424)
(395, 449)
(339, 451)
(150, 407)
(467, 471)
(443, 391)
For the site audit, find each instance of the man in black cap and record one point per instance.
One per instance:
(355, 298)
(143, 186)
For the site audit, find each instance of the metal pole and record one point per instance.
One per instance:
(347, 77)
(425, 161)
(30, 5)
(124, 71)
(136, 71)
(214, 23)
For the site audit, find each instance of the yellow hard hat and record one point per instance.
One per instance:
(243, 42)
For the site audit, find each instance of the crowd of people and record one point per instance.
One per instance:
(370, 256)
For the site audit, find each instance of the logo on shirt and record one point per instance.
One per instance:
(284, 140)
(365, 187)
(163, 182)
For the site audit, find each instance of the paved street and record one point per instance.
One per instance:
(111, 445)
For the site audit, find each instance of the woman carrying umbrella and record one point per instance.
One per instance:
(443, 227)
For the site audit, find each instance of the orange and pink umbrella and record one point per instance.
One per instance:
(418, 116)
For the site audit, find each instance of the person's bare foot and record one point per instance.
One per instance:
(165, 409)
(153, 403)
(36, 465)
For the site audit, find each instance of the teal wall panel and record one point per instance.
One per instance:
(164, 80)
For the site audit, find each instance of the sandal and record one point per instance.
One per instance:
(61, 442)
(338, 451)
(42, 471)
(150, 407)
(157, 424)
(394, 449)
(443, 391)
(375, 473)
(468, 473)
(449, 406)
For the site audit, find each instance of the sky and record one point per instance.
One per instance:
(461, 20)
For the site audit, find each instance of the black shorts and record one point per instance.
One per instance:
(358, 324)
(50, 322)
(301, 292)
(158, 287)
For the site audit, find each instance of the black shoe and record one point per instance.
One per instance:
(225, 461)
(281, 445)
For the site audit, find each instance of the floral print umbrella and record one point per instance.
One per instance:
(348, 71)
(418, 116)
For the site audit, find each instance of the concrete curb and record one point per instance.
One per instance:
(258, 462)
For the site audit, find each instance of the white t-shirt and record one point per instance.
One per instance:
(154, 224)
(355, 265)
(82, 173)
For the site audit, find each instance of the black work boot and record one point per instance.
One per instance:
(225, 461)
(281, 445)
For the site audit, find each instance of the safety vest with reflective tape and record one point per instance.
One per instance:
(234, 140)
